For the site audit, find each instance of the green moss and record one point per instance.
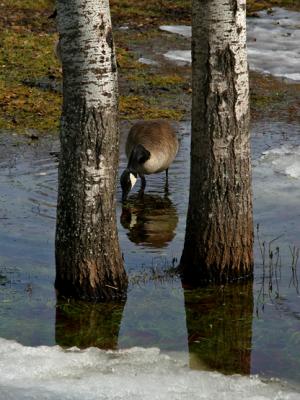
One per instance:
(28, 108)
(26, 55)
(271, 96)
(30, 4)
(254, 6)
(266, 100)
(165, 80)
(145, 12)
(157, 79)
(126, 60)
(138, 107)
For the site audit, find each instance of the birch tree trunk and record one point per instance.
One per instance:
(219, 233)
(88, 258)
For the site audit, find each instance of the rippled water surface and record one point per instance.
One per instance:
(245, 328)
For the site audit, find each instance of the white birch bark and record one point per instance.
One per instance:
(87, 50)
(219, 233)
(88, 258)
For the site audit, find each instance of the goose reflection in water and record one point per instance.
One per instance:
(151, 220)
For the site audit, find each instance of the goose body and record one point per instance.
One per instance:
(151, 147)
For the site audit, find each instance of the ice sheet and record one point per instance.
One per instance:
(284, 160)
(53, 373)
(273, 43)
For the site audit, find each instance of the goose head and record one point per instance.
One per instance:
(127, 180)
(138, 156)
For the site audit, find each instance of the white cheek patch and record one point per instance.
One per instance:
(133, 179)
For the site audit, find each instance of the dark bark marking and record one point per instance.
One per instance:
(99, 141)
(102, 27)
(234, 6)
(113, 63)
(226, 64)
(109, 38)
(110, 42)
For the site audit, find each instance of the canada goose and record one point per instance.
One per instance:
(151, 147)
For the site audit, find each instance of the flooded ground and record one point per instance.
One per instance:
(228, 329)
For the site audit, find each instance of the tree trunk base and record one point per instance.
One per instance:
(101, 293)
(201, 275)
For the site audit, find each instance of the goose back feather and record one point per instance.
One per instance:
(159, 139)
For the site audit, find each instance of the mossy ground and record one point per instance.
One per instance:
(29, 99)
(273, 98)
(27, 55)
(254, 6)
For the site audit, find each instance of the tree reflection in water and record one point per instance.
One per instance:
(219, 326)
(83, 324)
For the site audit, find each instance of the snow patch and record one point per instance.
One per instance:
(53, 373)
(284, 160)
(272, 40)
(147, 61)
(181, 56)
(183, 30)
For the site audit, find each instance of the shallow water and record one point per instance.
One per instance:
(272, 42)
(238, 329)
